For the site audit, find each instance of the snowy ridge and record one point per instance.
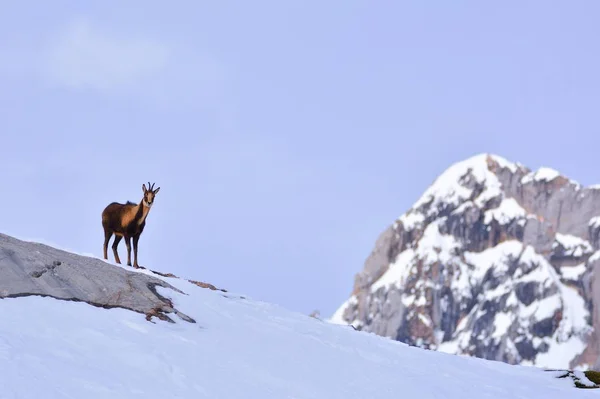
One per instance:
(455, 186)
(470, 271)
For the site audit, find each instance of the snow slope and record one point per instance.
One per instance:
(239, 348)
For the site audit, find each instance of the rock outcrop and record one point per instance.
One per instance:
(494, 261)
(29, 268)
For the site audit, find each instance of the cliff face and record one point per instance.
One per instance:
(494, 261)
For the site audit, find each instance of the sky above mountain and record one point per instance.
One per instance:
(285, 136)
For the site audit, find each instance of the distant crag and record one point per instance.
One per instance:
(494, 261)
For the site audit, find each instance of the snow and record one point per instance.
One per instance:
(449, 188)
(594, 258)
(542, 174)
(573, 272)
(432, 247)
(564, 349)
(450, 347)
(436, 247)
(424, 319)
(575, 312)
(338, 315)
(568, 340)
(502, 323)
(421, 301)
(594, 222)
(508, 211)
(471, 269)
(573, 245)
(504, 163)
(464, 272)
(542, 309)
(408, 300)
(411, 219)
(582, 378)
(463, 207)
(496, 257)
(239, 348)
(574, 309)
(397, 272)
(570, 337)
(571, 241)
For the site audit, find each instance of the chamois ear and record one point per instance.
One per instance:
(144, 188)
(155, 191)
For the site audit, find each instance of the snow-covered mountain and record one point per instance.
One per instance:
(494, 261)
(77, 327)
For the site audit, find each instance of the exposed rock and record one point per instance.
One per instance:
(387, 246)
(206, 285)
(28, 268)
(494, 261)
(315, 314)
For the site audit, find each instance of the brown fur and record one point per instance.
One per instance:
(127, 221)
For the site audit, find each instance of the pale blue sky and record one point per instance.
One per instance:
(285, 135)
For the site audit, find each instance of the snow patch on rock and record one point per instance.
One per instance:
(455, 185)
(508, 211)
(542, 174)
(572, 245)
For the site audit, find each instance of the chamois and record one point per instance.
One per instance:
(127, 221)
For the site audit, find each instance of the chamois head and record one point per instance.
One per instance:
(149, 194)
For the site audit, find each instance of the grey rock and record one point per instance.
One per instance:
(377, 262)
(29, 268)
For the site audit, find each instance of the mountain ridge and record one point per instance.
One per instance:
(493, 260)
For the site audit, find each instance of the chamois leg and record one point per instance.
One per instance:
(114, 247)
(107, 235)
(136, 238)
(128, 243)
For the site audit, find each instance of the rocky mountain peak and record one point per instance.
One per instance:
(494, 260)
